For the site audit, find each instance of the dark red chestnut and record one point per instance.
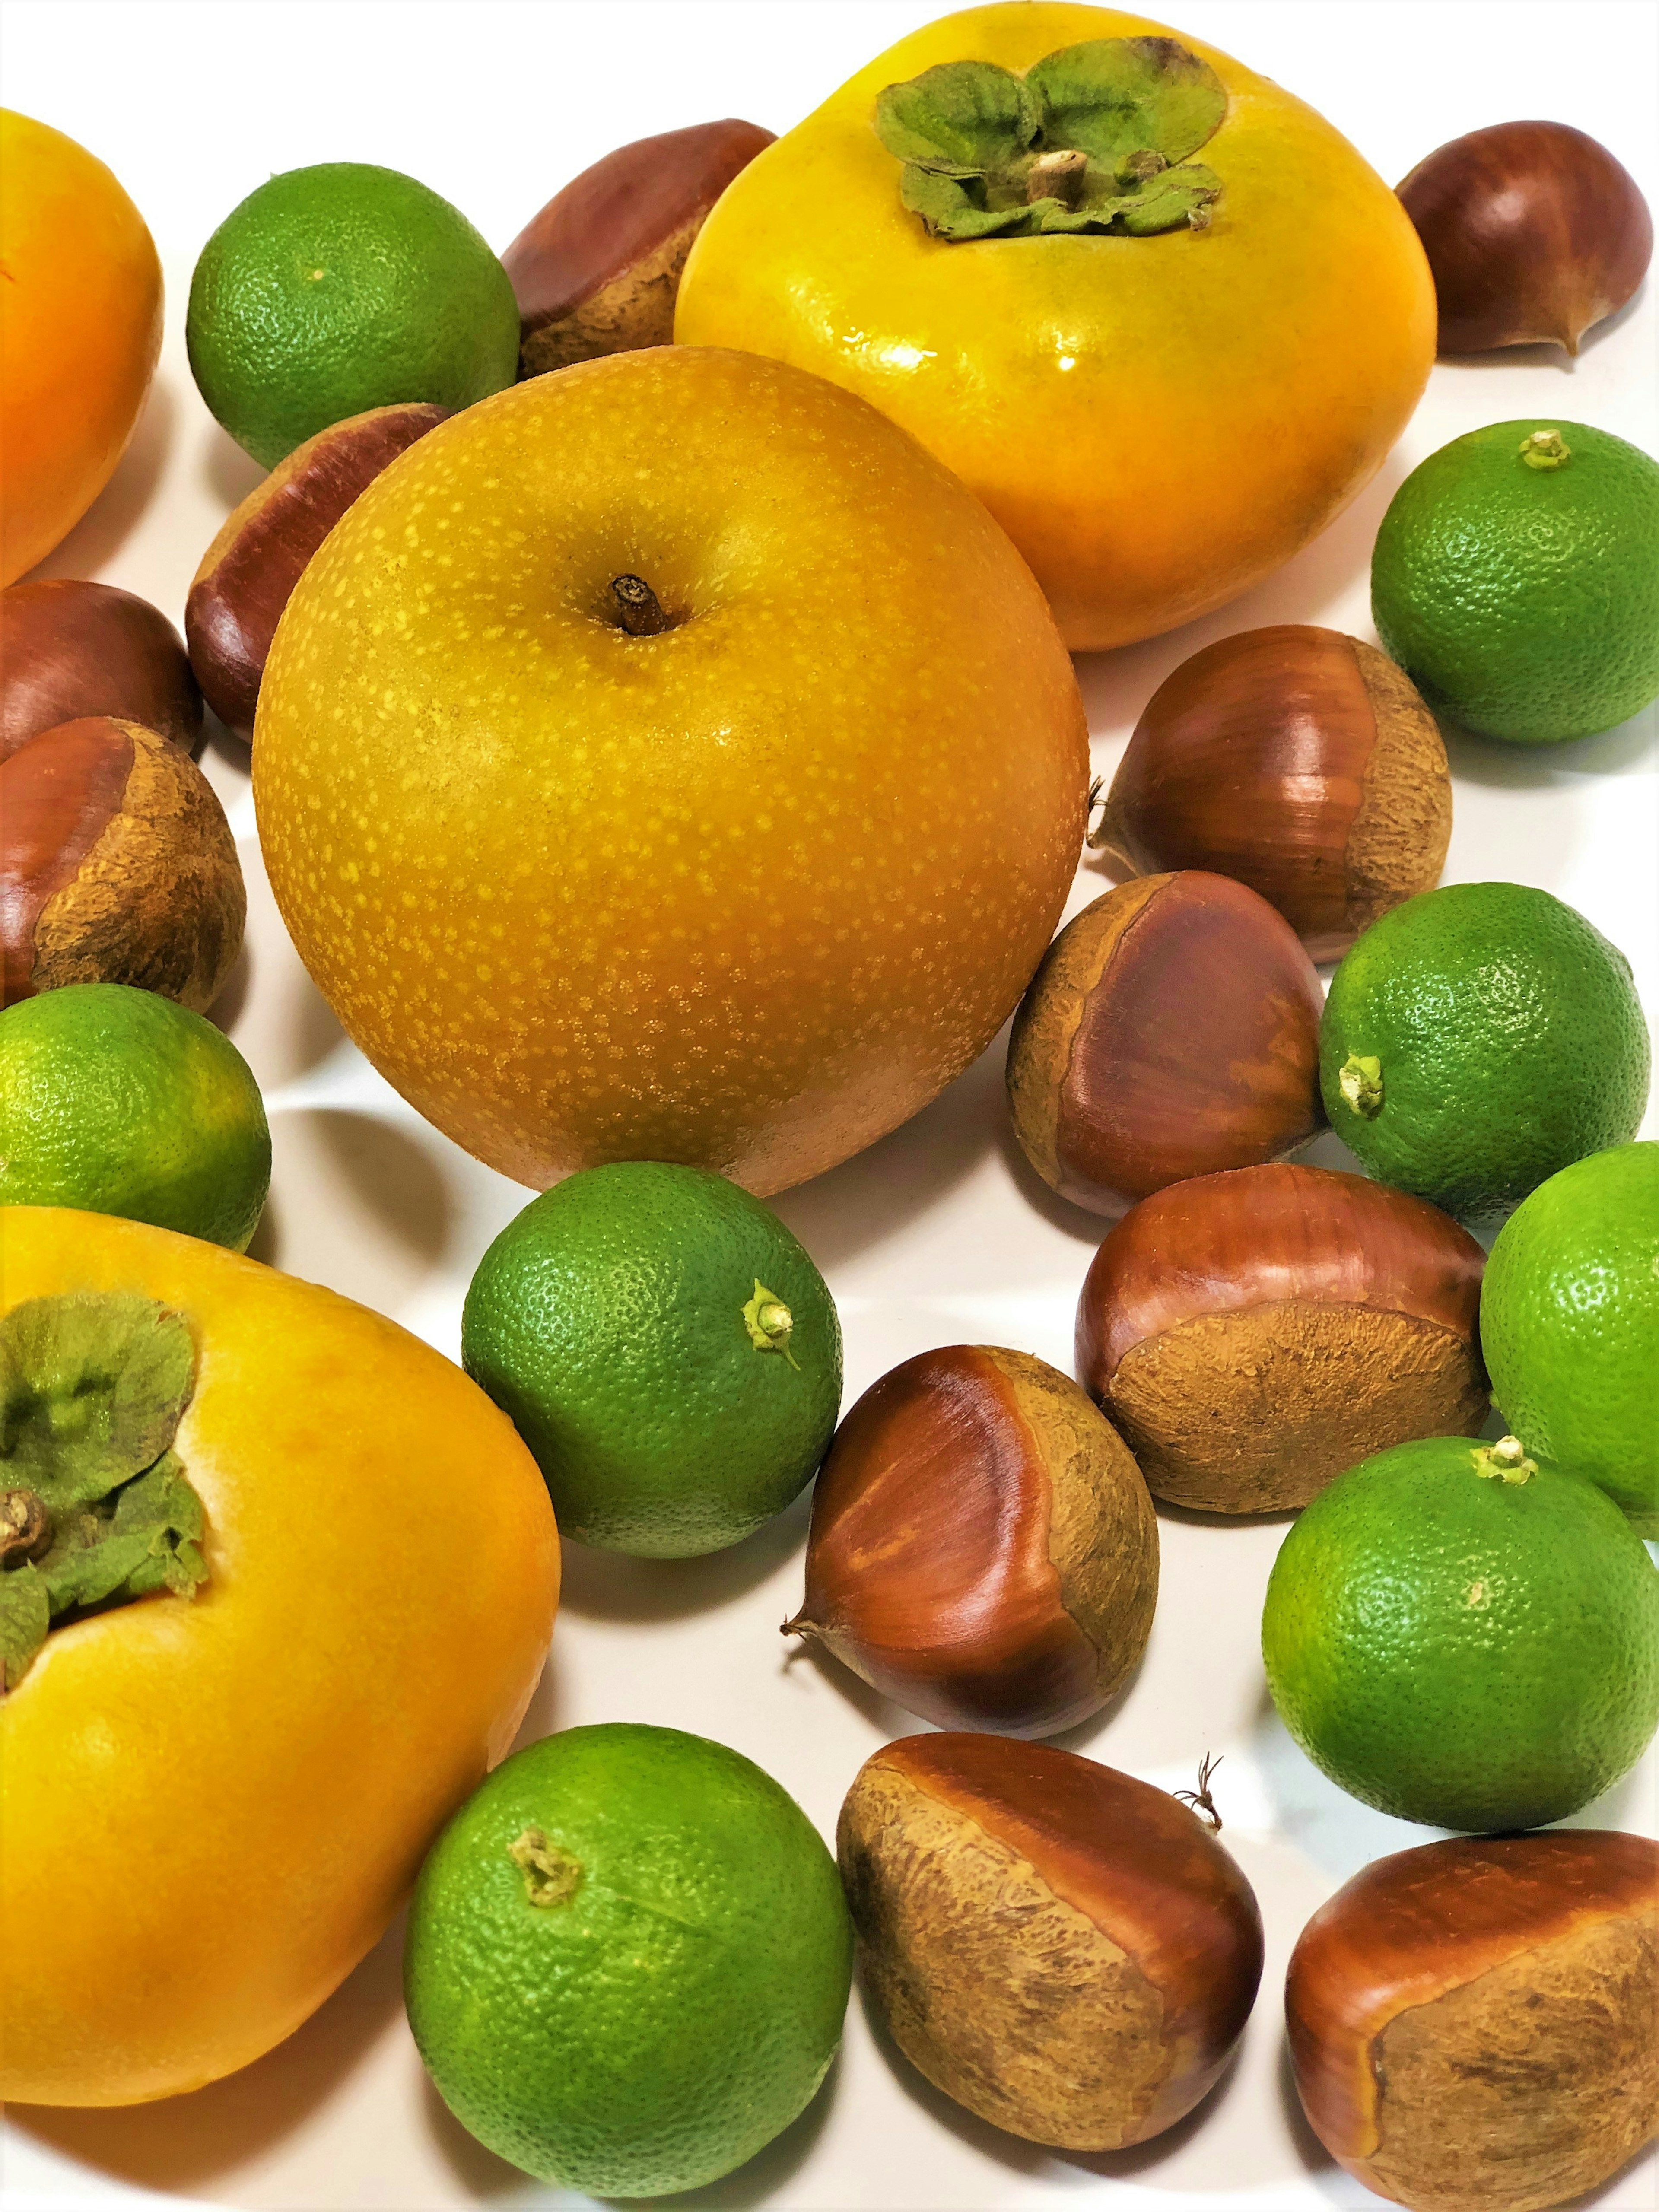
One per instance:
(70, 649)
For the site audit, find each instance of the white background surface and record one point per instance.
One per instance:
(936, 1236)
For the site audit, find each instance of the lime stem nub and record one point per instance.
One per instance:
(551, 1876)
(1545, 449)
(1506, 1459)
(1360, 1082)
(770, 1322)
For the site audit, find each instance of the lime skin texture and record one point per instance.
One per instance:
(1508, 1041)
(1570, 1324)
(1523, 600)
(1463, 1650)
(675, 1998)
(115, 1101)
(333, 290)
(612, 1322)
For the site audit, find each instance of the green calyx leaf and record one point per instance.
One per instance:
(1088, 140)
(95, 1508)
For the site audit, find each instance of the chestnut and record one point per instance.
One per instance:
(1254, 1334)
(1473, 2024)
(1532, 231)
(1063, 1949)
(1297, 760)
(597, 270)
(117, 865)
(68, 649)
(247, 575)
(1171, 1031)
(982, 1547)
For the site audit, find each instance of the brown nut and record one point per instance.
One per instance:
(68, 649)
(248, 573)
(1532, 231)
(1475, 2025)
(1172, 1031)
(597, 272)
(117, 865)
(1299, 761)
(1065, 1951)
(982, 1548)
(1253, 1335)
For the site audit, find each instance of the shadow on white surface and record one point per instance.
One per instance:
(229, 473)
(357, 1203)
(610, 1586)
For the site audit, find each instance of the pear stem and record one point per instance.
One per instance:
(640, 610)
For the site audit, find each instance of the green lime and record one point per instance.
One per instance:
(337, 289)
(116, 1101)
(628, 1960)
(667, 1351)
(1459, 1634)
(1570, 1324)
(1477, 1039)
(1516, 578)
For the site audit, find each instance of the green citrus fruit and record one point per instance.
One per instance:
(1570, 1324)
(667, 1351)
(1516, 578)
(628, 1960)
(1461, 1635)
(116, 1101)
(337, 289)
(1478, 1038)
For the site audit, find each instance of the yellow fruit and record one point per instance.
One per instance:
(743, 894)
(212, 1806)
(1157, 422)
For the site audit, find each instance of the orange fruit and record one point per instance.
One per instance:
(80, 328)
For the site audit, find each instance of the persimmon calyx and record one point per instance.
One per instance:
(1094, 137)
(92, 1387)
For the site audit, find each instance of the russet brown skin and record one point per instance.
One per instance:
(1474, 2024)
(961, 1559)
(1533, 232)
(70, 649)
(597, 272)
(1172, 1031)
(1297, 760)
(248, 573)
(1096, 2008)
(117, 865)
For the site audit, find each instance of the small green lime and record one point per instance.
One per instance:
(628, 1960)
(1461, 1635)
(1478, 1038)
(116, 1101)
(334, 289)
(1570, 1324)
(667, 1351)
(1516, 578)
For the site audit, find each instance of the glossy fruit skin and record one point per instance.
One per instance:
(1523, 603)
(1455, 1649)
(607, 1322)
(1509, 1037)
(1570, 1323)
(746, 895)
(660, 2025)
(71, 649)
(383, 1574)
(78, 343)
(1157, 423)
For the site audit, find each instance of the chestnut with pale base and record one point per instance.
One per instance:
(1063, 1949)
(1473, 2024)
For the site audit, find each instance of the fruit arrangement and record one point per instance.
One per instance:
(640, 690)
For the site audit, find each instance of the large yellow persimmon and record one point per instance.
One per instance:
(211, 1803)
(668, 759)
(1157, 420)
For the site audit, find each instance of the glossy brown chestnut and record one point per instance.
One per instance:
(70, 649)
(1253, 1335)
(1533, 232)
(983, 1549)
(117, 865)
(1172, 1031)
(597, 270)
(1475, 2025)
(248, 573)
(1299, 761)
(1067, 1951)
